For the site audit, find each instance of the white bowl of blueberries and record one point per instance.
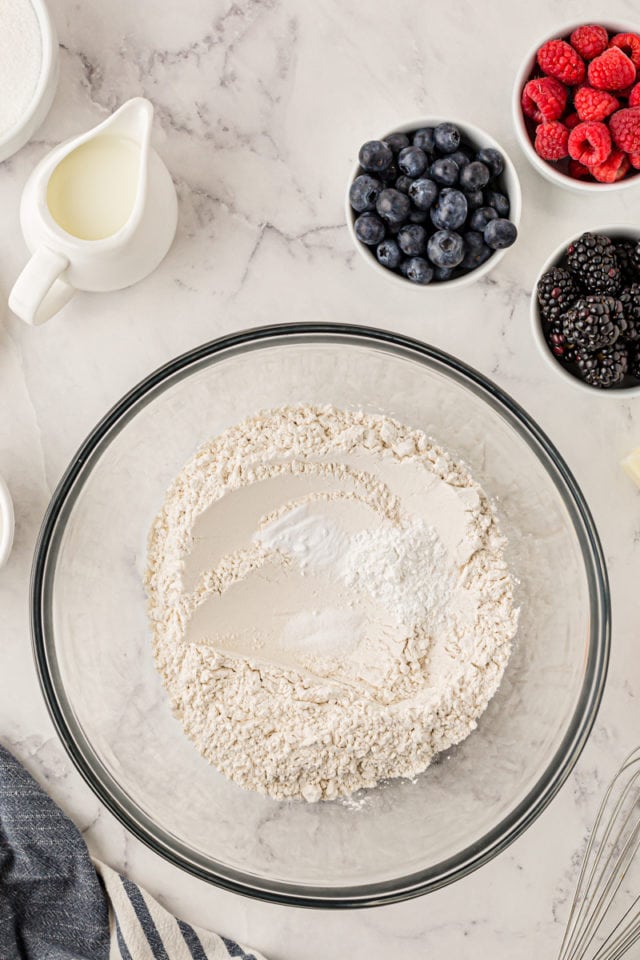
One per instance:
(434, 201)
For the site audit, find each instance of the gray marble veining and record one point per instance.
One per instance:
(260, 109)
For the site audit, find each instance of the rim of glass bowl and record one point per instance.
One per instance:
(115, 798)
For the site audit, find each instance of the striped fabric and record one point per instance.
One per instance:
(55, 904)
(143, 930)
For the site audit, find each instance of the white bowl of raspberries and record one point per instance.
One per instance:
(576, 106)
(435, 202)
(585, 311)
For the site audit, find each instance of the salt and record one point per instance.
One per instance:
(20, 61)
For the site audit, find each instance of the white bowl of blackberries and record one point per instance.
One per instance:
(433, 202)
(585, 310)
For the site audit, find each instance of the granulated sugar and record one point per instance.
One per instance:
(20, 60)
(329, 600)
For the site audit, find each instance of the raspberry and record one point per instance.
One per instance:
(590, 143)
(612, 70)
(571, 120)
(613, 168)
(634, 160)
(634, 96)
(551, 140)
(557, 59)
(629, 43)
(578, 170)
(544, 99)
(594, 104)
(589, 41)
(625, 129)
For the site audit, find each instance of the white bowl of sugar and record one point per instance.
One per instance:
(28, 71)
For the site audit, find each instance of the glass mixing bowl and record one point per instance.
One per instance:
(93, 648)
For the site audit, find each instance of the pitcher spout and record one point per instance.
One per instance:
(132, 120)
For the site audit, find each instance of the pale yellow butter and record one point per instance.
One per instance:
(631, 465)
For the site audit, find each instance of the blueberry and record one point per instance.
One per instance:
(412, 240)
(461, 158)
(403, 183)
(423, 138)
(444, 171)
(498, 201)
(423, 192)
(397, 141)
(375, 156)
(418, 216)
(450, 212)
(388, 254)
(412, 161)
(369, 229)
(500, 233)
(444, 248)
(492, 159)
(363, 193)
(476, 250)
(475, 176)
(393, 205)
(475, 199)
(443, 273)
(480, 218)
(447, 137)
(417, 269)
(390, 175)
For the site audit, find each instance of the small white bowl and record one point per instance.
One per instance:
(480, 140)
(21, 132)
(612, 230)
(7, 523)
(546, 167)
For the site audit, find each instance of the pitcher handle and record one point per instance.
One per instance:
(40, 291)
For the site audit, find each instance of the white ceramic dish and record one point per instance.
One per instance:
(611, 230)
(512, 188)
(21, 132)
(7, 523)
(544, 167)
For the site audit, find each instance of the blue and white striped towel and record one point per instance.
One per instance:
(55, 904)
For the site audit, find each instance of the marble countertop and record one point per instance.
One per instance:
(260, 109)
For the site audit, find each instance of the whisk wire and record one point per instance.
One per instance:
(611, 850)
(612, 884)
(627, 936)
(580, 908)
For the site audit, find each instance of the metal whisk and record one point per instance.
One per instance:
(604, 921)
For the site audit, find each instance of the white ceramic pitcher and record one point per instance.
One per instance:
(98, 213)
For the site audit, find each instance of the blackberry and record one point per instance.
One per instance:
(605, 367)
(558, 345)
(625, 250)
(630, 300)
(593, 322)
(556, 292)
(634, 361)
(592, 260)
(635, 256)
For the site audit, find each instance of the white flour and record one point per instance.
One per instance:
(20, 60)
(329, 601)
